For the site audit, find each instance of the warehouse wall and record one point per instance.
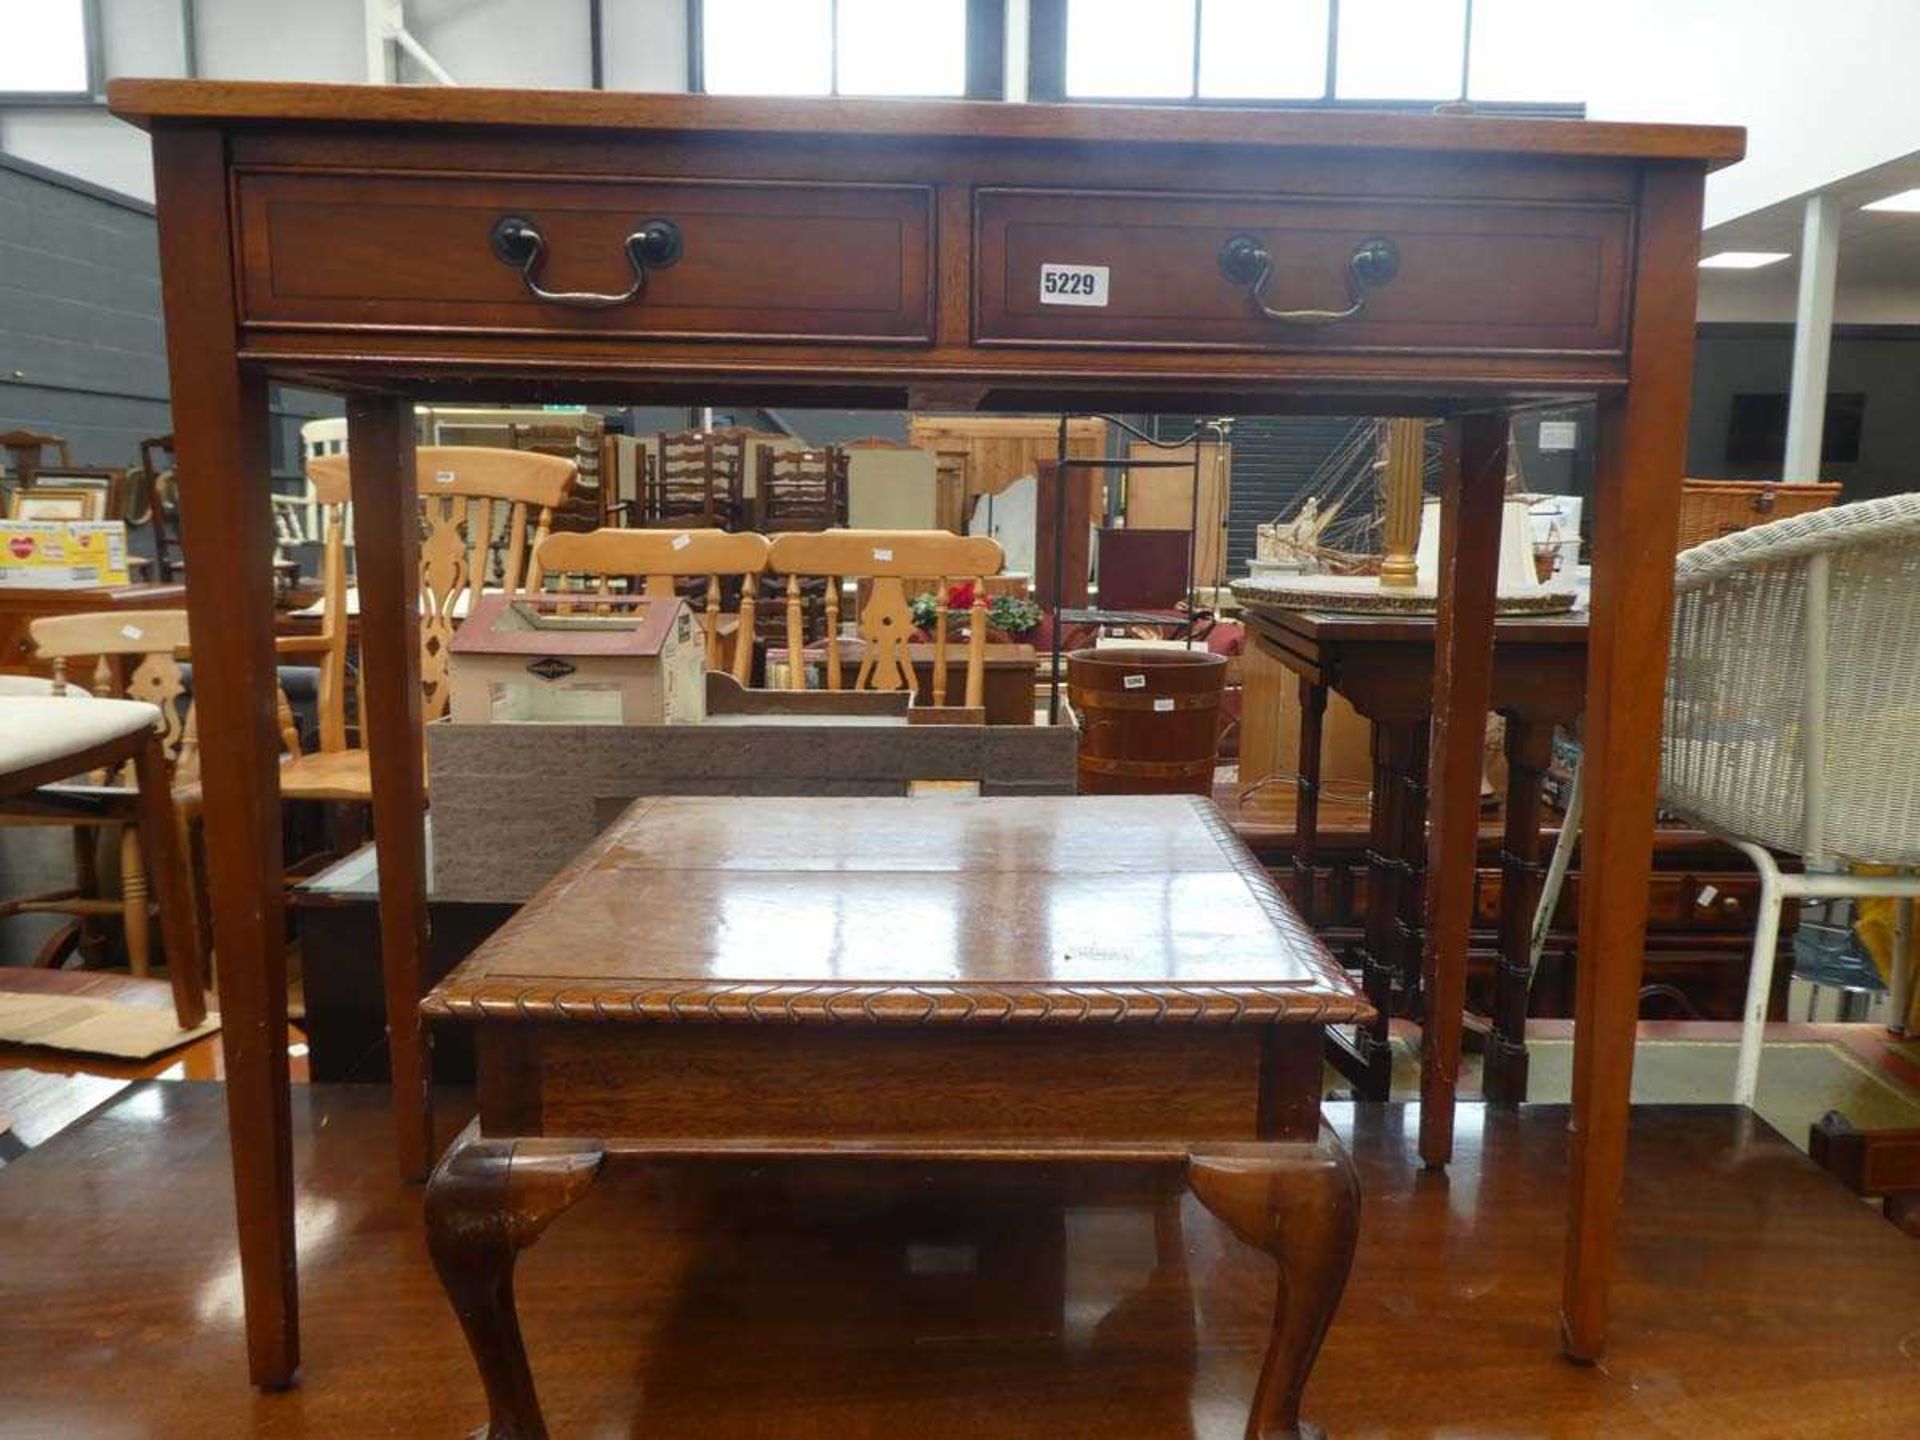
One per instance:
(1882, 363)
(82, 352)
(82, 348)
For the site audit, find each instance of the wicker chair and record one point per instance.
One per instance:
(1792, 716)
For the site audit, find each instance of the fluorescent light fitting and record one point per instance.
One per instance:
(1743, 259)
(1907, 202)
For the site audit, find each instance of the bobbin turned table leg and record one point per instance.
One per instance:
(487, 1201)
(1529, 746)
(1300, 1203)
(1306, 849)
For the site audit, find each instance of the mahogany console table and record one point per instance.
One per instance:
(403, 244)
(1063, 980)
(1383, 665)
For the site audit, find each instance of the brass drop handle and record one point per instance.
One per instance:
(1245, 261)
(517, 241)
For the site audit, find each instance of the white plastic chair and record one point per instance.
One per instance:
(1793, 721)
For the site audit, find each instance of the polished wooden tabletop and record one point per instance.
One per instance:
(941, 910)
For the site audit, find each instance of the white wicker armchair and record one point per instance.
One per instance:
(1793, 717)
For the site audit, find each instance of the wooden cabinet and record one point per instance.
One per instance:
(416, 252)
(1467, 276)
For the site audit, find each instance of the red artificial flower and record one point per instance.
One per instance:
(960, 597)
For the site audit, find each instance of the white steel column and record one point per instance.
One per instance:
(1812, 338)
(382, 19)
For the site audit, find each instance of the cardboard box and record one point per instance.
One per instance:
(569, 660)
(62, 554)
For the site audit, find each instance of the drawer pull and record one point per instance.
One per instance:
(517, 241)
(1245, 261)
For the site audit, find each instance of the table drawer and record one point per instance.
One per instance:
(756, 261)
(1466, 276)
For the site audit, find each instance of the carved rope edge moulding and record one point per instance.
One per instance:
(773, 1003)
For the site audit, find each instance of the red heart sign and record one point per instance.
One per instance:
(21, 545)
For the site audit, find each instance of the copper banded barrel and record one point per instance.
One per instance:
(1149, 719)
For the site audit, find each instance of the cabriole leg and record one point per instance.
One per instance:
(1300, 1203)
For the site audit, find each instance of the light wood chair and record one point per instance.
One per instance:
(50, 737)
(484, 513)
(136, 655)
(663, 558)
(886, 558)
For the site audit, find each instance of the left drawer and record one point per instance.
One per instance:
(723, 260)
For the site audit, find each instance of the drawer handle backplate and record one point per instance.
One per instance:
(517, 241)
(1245, 261)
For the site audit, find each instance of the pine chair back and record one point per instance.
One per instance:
(801, 489)
(136, 655)
(888, 558)
(660, 559)
(477, 506)
(333, 495)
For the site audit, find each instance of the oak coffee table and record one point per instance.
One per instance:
(1060, 979)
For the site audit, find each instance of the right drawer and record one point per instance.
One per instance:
(1097, 269)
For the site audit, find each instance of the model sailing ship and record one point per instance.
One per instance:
(1337, 528)
(1365, 537)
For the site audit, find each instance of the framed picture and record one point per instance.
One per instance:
(100, 493)
(54, 502)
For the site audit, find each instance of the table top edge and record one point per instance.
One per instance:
(224, 102)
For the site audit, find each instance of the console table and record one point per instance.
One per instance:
(403, 244)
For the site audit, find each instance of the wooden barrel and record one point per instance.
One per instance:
(1149, 719)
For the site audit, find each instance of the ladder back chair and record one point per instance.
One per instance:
(162, 498)
(477, 507)
(801, 489)
(663, 558)
(888, 559)
(699, 480)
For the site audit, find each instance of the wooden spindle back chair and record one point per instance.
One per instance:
(662, 558)
(136, 656)
(887, 558)
(801, 489)
(162, 500)
(699, 479)
(477, 507)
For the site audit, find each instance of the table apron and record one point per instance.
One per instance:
(695, 1086)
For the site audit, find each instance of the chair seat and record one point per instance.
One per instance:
(28, 685)
(39, 730)
(327, 775)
